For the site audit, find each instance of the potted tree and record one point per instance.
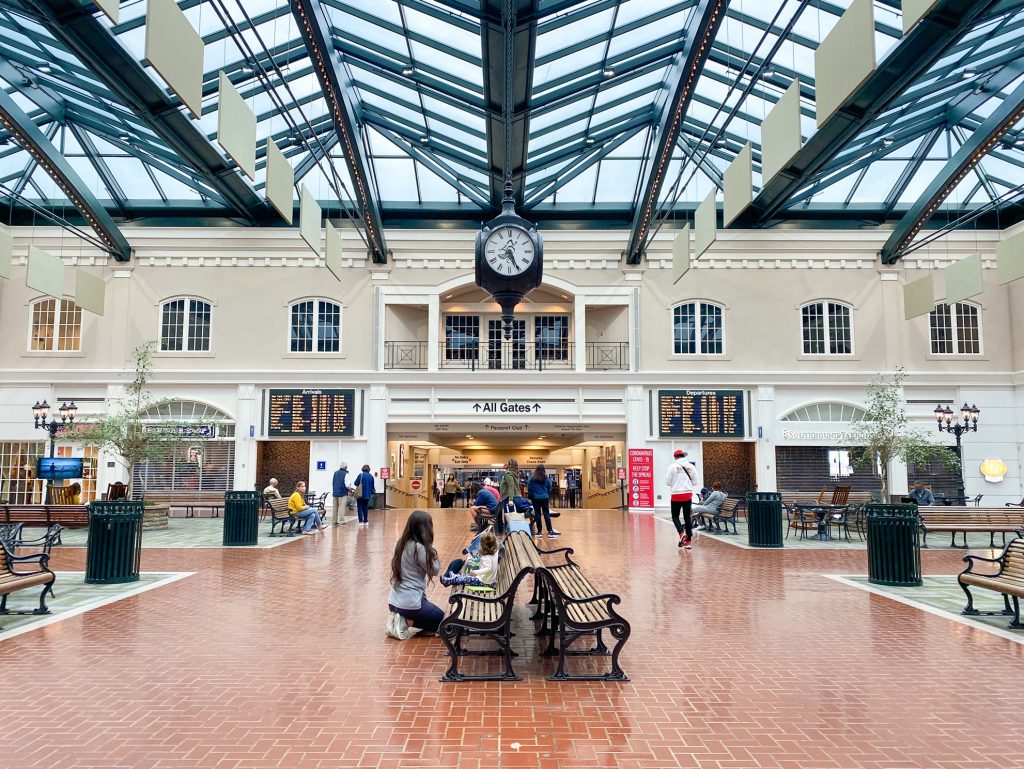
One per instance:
(123, 432)
(885, 434)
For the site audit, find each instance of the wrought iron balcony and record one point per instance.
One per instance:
(507, 355)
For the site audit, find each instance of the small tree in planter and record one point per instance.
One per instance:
(123, 431)
(884, 433)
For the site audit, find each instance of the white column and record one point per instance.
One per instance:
(579, 322)
(765, 454)
(246, 416)
(375, 427)
(433, 332)
(636, 417)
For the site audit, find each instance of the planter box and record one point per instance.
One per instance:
(155, 517)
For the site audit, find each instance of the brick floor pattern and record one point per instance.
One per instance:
(269, 659)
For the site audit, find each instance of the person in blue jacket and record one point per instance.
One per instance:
(365, 484)
(539, 491)
(339, 491)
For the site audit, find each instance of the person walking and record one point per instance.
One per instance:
(339, 492)
(450, 489)
(538, 488)
(365, 489)
(413, 563)
(508, 490)
(681, 479)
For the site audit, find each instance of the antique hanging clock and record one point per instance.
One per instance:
(509, 258)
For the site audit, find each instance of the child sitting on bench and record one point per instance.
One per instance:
(481, 568)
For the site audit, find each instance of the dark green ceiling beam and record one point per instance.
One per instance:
(492, 39)
(75, 27)
(980, 143)
(680, 82)
(315, 29)
(42, 150)
(912, 57)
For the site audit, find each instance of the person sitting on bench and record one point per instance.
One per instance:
(922, 496)
(708, 509)
(271, 491)
(485, 504)
(297, 506)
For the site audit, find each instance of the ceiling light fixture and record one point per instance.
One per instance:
(45, 68)
(967, 74)
(424, 139)
(888, 141)
(408, 70)
(608, 72)
(590, 140)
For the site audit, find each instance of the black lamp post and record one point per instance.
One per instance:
(67, 417)
(944, 416)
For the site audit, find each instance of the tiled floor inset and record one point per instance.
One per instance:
(739, 659)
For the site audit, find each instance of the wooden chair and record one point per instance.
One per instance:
(116, 491)
(60, 495)
(841, 495)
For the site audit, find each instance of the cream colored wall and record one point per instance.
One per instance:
(405, 323)
(607, 324)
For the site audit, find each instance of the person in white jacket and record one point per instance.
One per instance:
(681, 479)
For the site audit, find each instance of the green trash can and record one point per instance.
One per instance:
(894, 549)
(764, 519)
(115, 542)
(241, 518)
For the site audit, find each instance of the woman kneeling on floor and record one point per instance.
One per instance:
(413, 564)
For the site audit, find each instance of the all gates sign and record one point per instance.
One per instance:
(640, 493)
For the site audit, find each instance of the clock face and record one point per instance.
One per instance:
(509, 250)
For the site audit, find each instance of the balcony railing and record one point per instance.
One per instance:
(507, 355)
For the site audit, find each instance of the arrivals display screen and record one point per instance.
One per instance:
(701, 414)
(59, 468)
(311, 412)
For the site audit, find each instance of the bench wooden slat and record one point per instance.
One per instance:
(1008, 581)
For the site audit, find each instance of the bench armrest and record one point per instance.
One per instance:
(970, 559)
(609, 597)
(460, 598)
(42, 559)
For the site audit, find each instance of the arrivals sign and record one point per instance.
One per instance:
(311, 412)
(640, 493)
(701, 414)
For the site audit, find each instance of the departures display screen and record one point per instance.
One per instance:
(311, 412)
(701, 414)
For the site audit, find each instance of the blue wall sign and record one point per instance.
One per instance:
(321, 465)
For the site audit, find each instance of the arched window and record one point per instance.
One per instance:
(697, 329)
(827, 328)
(185, 325)
(55, 325)
(825, 411)
(315, 326)
(956, 330)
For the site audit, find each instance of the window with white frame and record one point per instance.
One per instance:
(55, 325)
(827, 328)
(955, 330)
(315, 326)
(185, 325)
(551, 334)
(697, 329)
(462, 337)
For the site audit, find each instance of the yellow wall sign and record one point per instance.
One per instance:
(994, 470)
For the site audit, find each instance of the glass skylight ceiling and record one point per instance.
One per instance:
(417, 82)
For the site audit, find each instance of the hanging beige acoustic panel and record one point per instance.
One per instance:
(919, 297)
(6, 252)
(681, 255)
(45, 273)
(963, 279)
(309, 219)
(845, 59)
(704, 225)
(89, 292)
(175, 50)
(236, 127)
(280, 182)
(333, 250)
(780, 133)
(914, 11)
(738, 185)
(111, 8)
(1010, 259)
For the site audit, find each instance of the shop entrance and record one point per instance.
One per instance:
(583, 466)
(288, 461)
(732, 464)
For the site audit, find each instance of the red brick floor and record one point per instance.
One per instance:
(738, 658)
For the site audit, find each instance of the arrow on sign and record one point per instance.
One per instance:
(476, 407)
(536, 407)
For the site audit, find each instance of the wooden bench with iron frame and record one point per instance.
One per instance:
(13, 535)
(1008, 581)
(280, 515)
(488, 615)
(725, 514)
(987, 520)
(568, 605)
(13, 578)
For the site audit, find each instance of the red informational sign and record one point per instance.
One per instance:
(385, 473)
(640, 492)
(622, 473)
(415, 484)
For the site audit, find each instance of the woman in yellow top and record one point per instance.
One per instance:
(298, 507)
(451, 488)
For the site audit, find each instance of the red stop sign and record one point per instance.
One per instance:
(415, 484)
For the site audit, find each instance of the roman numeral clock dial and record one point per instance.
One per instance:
(509, 250)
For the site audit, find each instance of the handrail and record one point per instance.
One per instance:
(506, 355)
